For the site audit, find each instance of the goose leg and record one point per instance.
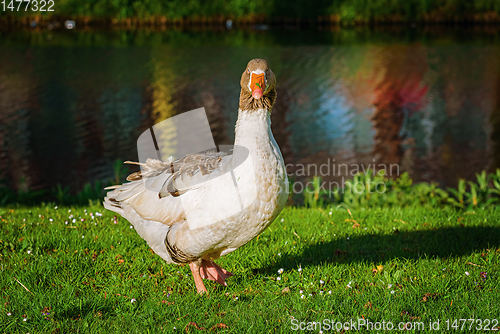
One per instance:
(212, 271)
(195, 270)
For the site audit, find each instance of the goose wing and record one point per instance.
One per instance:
(154, 192)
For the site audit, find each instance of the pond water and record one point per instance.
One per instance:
(422, 100)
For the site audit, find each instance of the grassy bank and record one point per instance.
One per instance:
(260, 11)
(367, 189)
(382, 264)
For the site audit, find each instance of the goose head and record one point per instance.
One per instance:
(257, 86)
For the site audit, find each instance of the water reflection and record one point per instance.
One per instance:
(72, 105)
(398, 91)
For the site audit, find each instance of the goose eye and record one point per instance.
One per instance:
(248, 70)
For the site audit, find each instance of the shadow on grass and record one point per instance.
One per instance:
(440, 242)
(77, 312)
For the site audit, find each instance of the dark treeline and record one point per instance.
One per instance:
(345, 12)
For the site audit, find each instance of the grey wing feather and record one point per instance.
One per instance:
(192, 170)
(152, 192)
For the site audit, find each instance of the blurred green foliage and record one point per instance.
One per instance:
(364, 190)
(62, 196)
(344, 11)
(369, 190)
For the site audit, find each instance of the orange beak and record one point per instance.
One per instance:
(258, 85)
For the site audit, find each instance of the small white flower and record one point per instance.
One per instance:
(9, 314)
(69, 210)
(389, 286)
(301, 291)
(133, 300)
(321, 282)
(236, 298)
(51, 219)
(98, 214)
(330, 292)
(310, 295)
(280, 271)
(39, 216)
(321, 292)
(83, 236)
(74, 220)
(66, 222)
(279, 254)
(278, 278)
(347, 238)
(393, 291)
(82, 219)
(467, 273)
(366, 228)
(25, 319)
(302, 296)
(330, 213)
(55, 207)
(85, 210)
(393, 228)
(29, 252)
(299, 270)
(131, 226)
(24, 219)
(282, 220)
(71, 216)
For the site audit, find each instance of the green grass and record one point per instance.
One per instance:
(384, 264)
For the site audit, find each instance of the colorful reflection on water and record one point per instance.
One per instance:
(427, 103)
